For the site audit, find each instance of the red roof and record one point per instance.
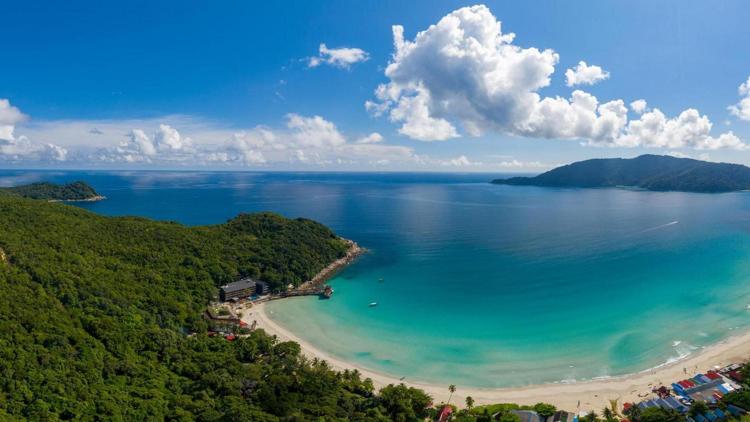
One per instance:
(230, 337)
(736, 376)
(713, 375)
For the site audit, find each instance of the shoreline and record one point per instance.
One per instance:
(352, 253)
(590, 394)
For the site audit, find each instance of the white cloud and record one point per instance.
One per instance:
(639, 106)
(314, 132)
(742, 108)
(167, 143)
(583, 74)
(21, 148)
(528, 165)
(460, 161)
(689, 129)
(372, 138)
(10, 116)
(169, 139)
(342, 57)
(465, 72)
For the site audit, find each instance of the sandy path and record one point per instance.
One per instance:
(592, 395)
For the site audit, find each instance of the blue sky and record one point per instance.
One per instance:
(194, 85)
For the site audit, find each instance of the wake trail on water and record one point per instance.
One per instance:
(661, 226)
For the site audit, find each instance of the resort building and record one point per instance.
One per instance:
(261, 288)
(239, 289)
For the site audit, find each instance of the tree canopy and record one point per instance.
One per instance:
(76, 191)
(95, 314)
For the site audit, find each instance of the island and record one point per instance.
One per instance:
(648, 172)
(71, 192)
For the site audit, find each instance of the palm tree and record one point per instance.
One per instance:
(452, 389)
(608, 414)
(469, 402)
(633, 412)
(590, 417)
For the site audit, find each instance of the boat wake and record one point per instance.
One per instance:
(661, 226)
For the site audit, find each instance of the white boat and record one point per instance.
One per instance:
(373, 304)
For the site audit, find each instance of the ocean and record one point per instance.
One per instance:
(483, 285)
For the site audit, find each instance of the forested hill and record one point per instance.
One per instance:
(651, 172)
(95, 312)
(76, 191)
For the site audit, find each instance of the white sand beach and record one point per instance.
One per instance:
(592, 395)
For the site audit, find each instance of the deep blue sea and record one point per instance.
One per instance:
(484, 285)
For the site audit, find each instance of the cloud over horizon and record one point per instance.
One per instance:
(21, 148)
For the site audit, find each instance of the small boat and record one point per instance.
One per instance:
(373, 304)
(380, 280)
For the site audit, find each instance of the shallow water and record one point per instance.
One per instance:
(485, 285)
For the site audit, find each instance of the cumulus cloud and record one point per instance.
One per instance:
(689, 129)
(583, 74)
(10, 116)
(342, 57)
(169, 139)
(463, 74)
(639, 106)
(315, 132)
(21, 148)
(742, 108)
(137, 146)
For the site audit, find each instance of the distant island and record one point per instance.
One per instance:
(76, 191)
(649, 172)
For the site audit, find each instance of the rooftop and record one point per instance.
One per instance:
(245, 283)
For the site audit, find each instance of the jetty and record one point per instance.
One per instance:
(316, 286)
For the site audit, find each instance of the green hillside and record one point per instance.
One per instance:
(651, 172)
(95, 312)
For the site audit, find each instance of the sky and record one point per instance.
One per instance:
(498, 86)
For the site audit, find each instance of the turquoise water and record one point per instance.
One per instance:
(483, 285)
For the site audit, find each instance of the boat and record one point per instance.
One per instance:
(380, 280)
(373, 304)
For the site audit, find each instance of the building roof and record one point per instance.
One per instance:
(527, 415)
(245, 283)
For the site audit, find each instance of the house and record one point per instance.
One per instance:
(239, 289)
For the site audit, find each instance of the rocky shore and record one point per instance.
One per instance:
(326, 273)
